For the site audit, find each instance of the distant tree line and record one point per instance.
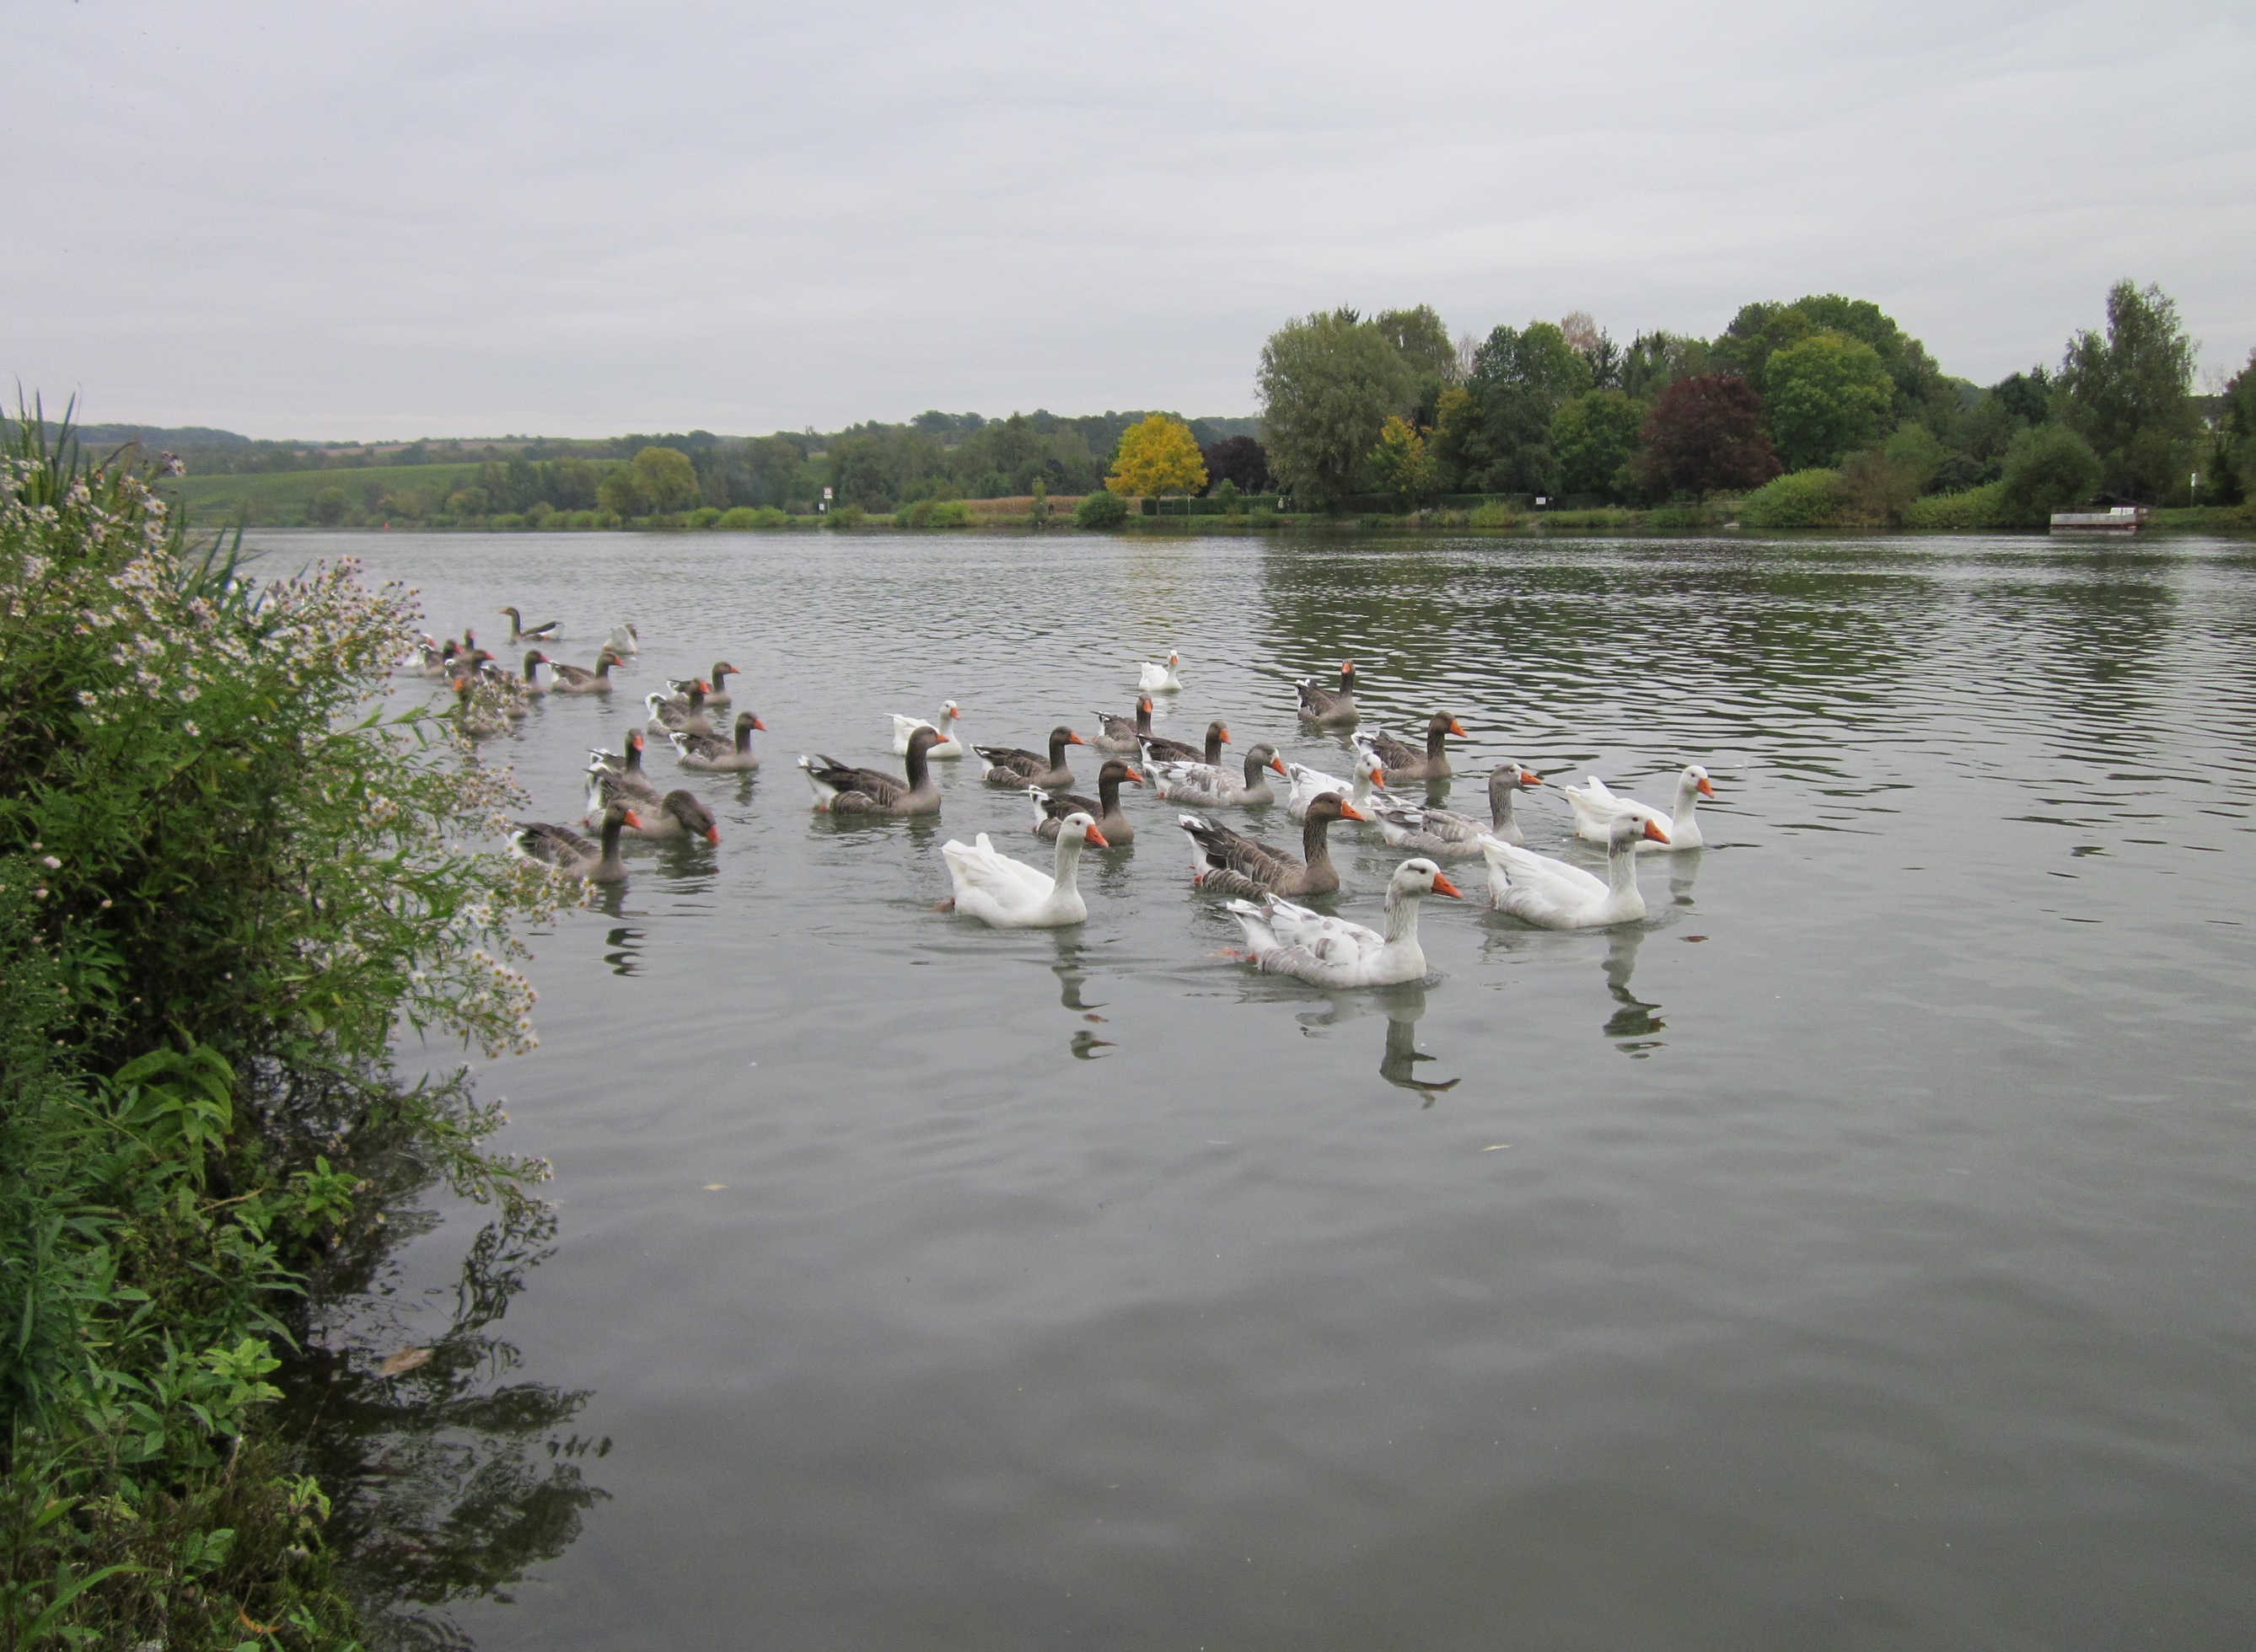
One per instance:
(1393, 406)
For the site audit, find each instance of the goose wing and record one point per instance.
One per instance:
(1553, 880)
(880, 788)
(555, 845)
(1227, 851)
(980, 867)
(1181, 781)
(1013, 760)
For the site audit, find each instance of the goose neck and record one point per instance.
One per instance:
(1500, 804)
(1621, 866)
(1316, 838)
(1402, 917)
(1068, 863)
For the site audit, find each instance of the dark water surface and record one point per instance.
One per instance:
(1859, 1253)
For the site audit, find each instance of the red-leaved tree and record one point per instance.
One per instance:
(1705, 435)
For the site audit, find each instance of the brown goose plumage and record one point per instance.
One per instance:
(1227, 862)
(1051, 808)
(679, 814)
(1328, 709)
(571, 853)
(1014, 766)
(578, 679)
(1406, 763)
(1217, 736)
(1124, 735)
(843, 791)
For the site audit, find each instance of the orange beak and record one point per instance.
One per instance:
(712, 834)
(1144, 704)
(758, 724)
(1225, 735)
(1097, 838)
(1442, 886)
(1347, 665)
(1074, 740)
(1132, 774)
(1278, 764)
(634, 819)
(1349, 811)
(1706, 790)
(1529, 778)
(1458, 729)
(1653, 830)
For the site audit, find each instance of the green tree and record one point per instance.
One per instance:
(2130, 395)
(620, 493)
(1328, 384)
(2049, 468)
(1825, 396)
(1595, 436)
(1156, 457)
(1400, 464)
(1520, 379)
(667, 479)
(329, 507)
(1423, 343)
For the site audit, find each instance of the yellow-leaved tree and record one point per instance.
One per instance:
(1159, 456)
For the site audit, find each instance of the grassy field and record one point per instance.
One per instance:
(281, 498)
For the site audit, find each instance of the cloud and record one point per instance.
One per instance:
(424, 218)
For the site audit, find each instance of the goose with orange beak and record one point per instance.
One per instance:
(1552, 895)
(1285, 940)
(1407, 763)
(1595, 808)
(1007, 894)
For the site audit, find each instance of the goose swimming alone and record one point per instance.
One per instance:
(1160, 679)
(519, 632)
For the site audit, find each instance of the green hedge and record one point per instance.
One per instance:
(1959, 512)
(1800, 499)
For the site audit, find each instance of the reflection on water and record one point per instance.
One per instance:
(454, 1474)
(1633, 1024)
(622, 945)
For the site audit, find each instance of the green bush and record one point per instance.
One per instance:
(845, 516)
(748, 516)
(604, 519)
(1494, 514)
(1973, 509)
(934, 513)
(703, 517)
(224, 883)
(1799, 499)
(1101, 509)
(582, 519)
(2049, 468)
(510, 519)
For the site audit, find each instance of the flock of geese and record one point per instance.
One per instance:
(1261, 881)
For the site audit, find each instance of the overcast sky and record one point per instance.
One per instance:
(408, 219)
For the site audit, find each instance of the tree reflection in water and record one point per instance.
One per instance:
(454, 1477)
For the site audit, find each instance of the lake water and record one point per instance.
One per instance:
(1858, 1253)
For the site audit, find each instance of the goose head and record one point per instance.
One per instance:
(1062, 737)
(1261, 756)
(1441, 723)
(1218, 731)
(695, 817)
(1629, 826)
(1332, 806)
(923, 739)
(1417, 877)
(746, 720)
(722, 669)
(1507, 775)
(1696, 777)
(1079, 827)
(949, 711)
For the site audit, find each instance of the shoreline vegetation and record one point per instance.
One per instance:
(1818, 414)
(228, 880)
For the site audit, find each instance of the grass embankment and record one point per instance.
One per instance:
(285, 498)
(222, 884)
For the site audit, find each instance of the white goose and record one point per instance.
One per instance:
(1310, 783)
(1007, 894)
(623, 641)
(1596, 807)
(1287, 940)
(947, 725)
(1552, 895)
(1153, 679)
